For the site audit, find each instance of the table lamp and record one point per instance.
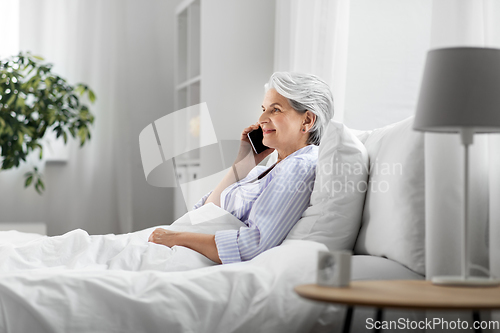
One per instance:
(460, 93)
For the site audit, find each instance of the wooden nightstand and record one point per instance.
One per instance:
(404, 294)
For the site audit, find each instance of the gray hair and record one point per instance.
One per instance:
(306, 92)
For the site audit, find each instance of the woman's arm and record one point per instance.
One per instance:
(244, 163)
(239, 171)
(272, 216)
(202, 243)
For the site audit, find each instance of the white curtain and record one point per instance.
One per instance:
(9, 42)
(370, 52)
(124, 51)
(85, 41)
(311, 37)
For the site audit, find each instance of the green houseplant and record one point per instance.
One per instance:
(34, 101)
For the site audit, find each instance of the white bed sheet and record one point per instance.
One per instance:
(121, 283)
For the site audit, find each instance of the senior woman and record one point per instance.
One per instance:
(295, 112)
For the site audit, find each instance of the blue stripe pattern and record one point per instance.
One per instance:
(269, 207)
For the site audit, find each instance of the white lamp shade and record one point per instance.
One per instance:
(460, 89)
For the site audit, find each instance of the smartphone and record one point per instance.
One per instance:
(256, 137)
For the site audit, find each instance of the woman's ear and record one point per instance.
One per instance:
(309, 120)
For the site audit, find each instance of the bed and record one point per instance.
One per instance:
(121, 283)
(96, 298)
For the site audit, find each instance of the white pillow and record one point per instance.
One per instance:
(361, 135)
(208, 219)
(272, 158)
(393, 224)
(339, 191)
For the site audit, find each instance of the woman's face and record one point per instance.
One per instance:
(282, 125)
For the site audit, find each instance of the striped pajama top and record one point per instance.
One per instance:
(269, 206)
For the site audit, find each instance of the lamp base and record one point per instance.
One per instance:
(460, 281)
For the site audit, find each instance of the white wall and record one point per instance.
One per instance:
(388, 43)
(151, 96)
(237, 60)
(237, 56)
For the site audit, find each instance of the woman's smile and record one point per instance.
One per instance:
(268, 131)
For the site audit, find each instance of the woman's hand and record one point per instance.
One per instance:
(164, 237)
(204, 244)
(246, 147)
(244, 163)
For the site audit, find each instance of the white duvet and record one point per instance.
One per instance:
(122, 283)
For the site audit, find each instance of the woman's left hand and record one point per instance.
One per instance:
(202, 243)
(163, 237)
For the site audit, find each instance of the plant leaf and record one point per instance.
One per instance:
(37, 188)
(91, 96)
(20, 138)
(28, 181)
(80, 89)
(82, 133)
(11, 99)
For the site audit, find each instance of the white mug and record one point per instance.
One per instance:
(334, 268)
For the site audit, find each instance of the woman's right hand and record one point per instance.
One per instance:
(246, 147)
(244, 134)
